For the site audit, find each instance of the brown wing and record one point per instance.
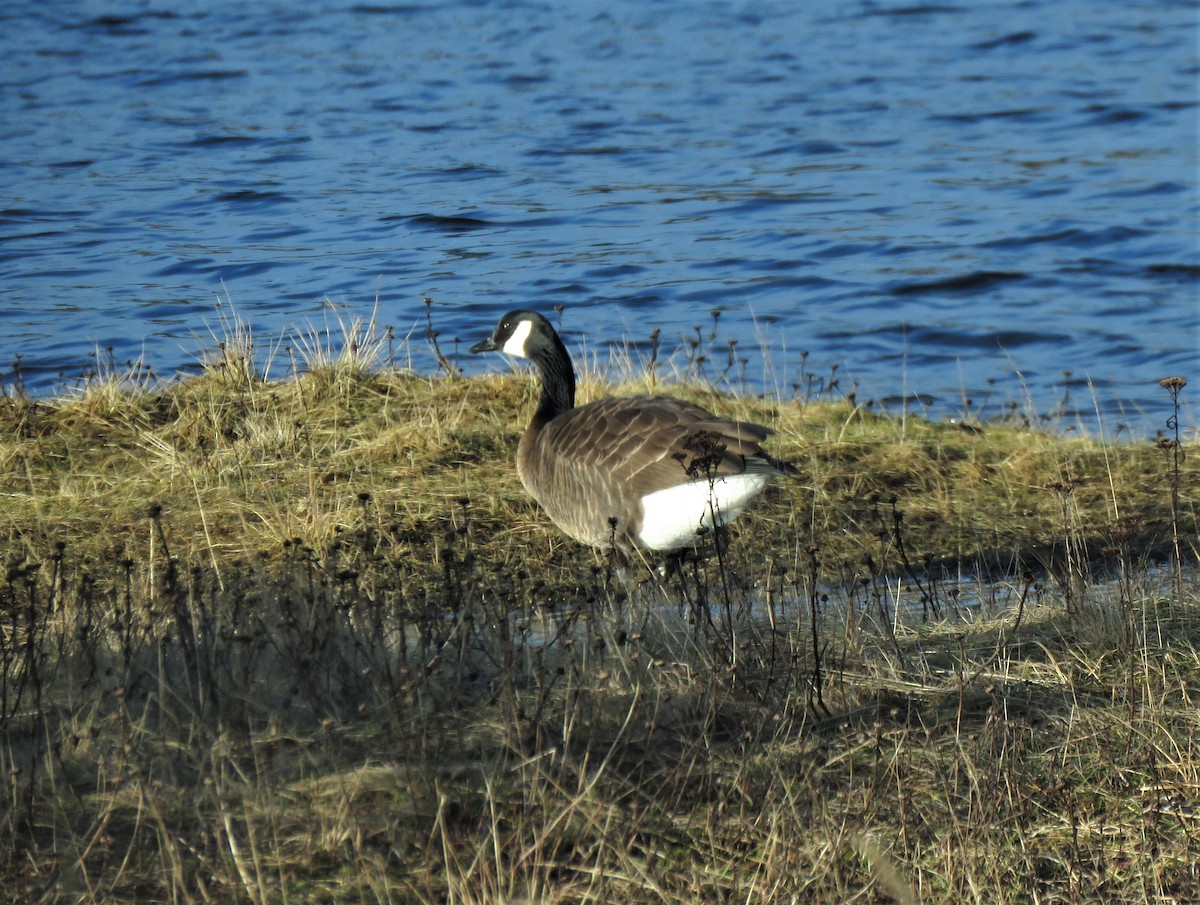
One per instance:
(598, 460)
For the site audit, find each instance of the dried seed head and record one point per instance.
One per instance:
(1172, 383)
(1063, 487)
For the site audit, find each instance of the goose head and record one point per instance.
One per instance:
(520, 334)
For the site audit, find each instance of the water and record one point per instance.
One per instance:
(947, 201)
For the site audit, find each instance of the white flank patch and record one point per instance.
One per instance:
(515, 344)
(673, 517)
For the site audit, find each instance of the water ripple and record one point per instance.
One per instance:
(441, 223)
(964, 284)
(1074, 237)
(1016, 37)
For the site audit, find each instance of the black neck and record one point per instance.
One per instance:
(558, 378)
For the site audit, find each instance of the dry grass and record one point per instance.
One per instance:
(307, 640)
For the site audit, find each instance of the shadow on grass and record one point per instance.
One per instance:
(455, 718)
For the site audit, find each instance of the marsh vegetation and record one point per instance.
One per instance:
(307, 640)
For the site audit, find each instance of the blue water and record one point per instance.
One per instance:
(941, 201)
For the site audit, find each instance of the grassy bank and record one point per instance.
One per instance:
(308, 640)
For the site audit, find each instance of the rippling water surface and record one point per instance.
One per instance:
(948, 200)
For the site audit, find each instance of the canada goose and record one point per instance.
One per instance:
(631, 471)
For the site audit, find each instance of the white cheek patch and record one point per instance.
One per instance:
(515, 344)
(673, 517)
